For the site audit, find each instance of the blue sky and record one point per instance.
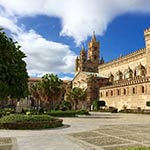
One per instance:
(51, 33)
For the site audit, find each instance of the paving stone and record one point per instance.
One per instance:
(86, 135)
(122, 147)
(105, 141)
(6, 147)
(136, 137)
(5, 140)
(113, 132)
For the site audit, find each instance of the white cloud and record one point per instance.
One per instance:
(66, 78)
(45, 56)
(79, 17)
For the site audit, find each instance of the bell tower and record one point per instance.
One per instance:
(83, 58)
(93, 52)
(147, 45)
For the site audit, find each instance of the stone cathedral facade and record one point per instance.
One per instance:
(123, 82)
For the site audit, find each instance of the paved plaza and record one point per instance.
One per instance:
(100, 131)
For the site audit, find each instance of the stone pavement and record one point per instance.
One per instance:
(101, 131)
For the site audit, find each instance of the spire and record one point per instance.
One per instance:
(102, 61)
(83, 51)
(83, 48)
(94, 37)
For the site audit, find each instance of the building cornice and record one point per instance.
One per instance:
(124, 58)
(127, 82)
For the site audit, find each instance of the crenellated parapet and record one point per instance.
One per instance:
(136, 54)
(147, 32)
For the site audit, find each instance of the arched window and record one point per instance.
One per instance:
(101, 94)
(128, 73)
(119, 75)
(133, 90)
(124, 91)
(143, 89)
(111, 77)
(106, 94)
(111, 93)
(118, 92)
(140, 70)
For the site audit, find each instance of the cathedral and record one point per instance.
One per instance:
(122, 83)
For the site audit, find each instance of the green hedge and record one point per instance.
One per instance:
(72, 113)
(62, 113)
(29, 122)
(25, 118)
(82, 112)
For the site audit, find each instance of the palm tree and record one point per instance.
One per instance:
(76, 96)
(35, 95)
(52, 88)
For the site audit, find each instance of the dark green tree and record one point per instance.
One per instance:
(13, 73)
(76, 97)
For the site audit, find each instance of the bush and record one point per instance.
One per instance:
(97, 104)
(113, 110)
(29, 122)
(6, 111)
(71, 113)
(82, 112)
(60, 113)
(25, 118)
(65, 105)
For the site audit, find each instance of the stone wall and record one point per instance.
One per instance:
(131, 94)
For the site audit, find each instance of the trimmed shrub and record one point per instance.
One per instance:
(60, 113)
(29, 122)
(82, 112)
(70, 113)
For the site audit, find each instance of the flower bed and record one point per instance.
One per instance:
(29, 122)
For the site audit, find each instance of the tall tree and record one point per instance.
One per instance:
(52, 88)
(36, 95)
(77, 97)
(13, 73)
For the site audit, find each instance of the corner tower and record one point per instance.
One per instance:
(147, 45)
(81, 61)
(93, 52)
